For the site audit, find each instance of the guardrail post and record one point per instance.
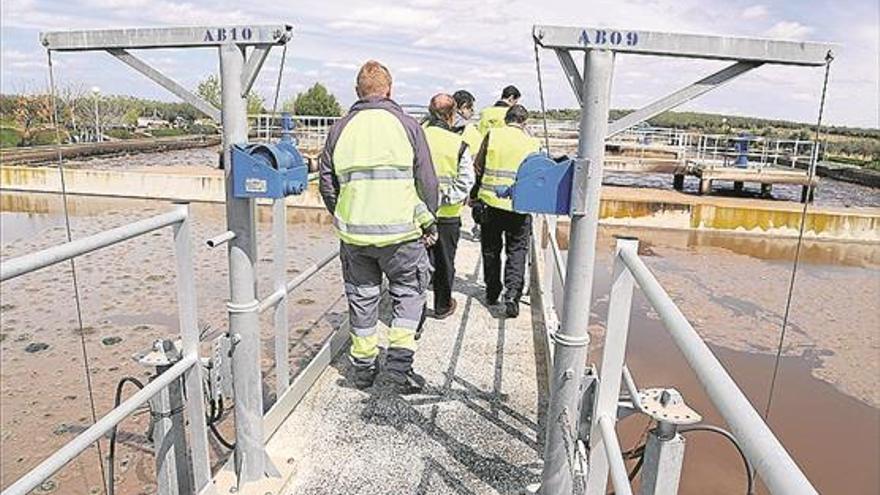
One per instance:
(570, 356)
(611, 373)
(279, 255)
(173, 475)
(251, 460)
(189, 334)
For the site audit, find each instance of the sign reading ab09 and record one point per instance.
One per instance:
(592, 37)
(230, 34)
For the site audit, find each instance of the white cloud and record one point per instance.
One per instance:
(755, 13)
(789, 30)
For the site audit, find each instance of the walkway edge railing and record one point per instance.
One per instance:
(185, 368)
(770, 459)
(767, 455)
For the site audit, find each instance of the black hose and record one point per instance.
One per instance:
(111, 489)
(750, 480)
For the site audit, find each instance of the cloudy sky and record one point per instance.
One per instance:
(443, 45)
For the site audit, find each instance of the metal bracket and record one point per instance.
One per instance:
(589, 386)
(582, 174)
(220, 372)
(166, 82)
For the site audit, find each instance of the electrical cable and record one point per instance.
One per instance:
(750, 478)
(76, 294)
(214, 416)
(808, 195)
(111, 454)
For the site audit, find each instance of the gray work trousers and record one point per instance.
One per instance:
(408, 269)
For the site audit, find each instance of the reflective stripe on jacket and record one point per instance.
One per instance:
(506, 149)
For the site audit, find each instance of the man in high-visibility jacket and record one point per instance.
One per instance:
(455, 171)
(492, 117)
(496, 164)
(378, 181)
(464, 110)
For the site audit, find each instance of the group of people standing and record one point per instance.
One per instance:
(396, 189)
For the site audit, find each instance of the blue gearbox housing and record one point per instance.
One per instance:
(543, 185)
(269, 170)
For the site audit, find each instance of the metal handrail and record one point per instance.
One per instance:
(777, 469)
(56, 254)
(81, 442)
(199, 463)
(619, 476)
(558, 261)
(276, 297)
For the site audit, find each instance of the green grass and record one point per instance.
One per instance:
(9, 138)
(167, 132)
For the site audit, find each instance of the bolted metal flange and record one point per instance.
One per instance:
(666, 405)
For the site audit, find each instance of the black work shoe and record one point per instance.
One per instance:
(449, 312)
(403, 383)
(365, 376)
(511, 308)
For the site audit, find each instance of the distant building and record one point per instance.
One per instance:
(152, 123)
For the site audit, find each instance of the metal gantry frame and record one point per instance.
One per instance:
(238, 71)
(592, 88)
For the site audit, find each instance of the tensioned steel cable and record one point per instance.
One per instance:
(76, 295)
(800, 240)
(541, 94)
(278, 82)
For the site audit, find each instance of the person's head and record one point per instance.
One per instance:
(373, 80)
(442, 107)
(464, 103)
(516, 115)
(510, 95)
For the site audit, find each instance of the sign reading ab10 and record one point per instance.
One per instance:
(603, 37)
(231, 34)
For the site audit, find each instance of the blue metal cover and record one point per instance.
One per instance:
(543, 186)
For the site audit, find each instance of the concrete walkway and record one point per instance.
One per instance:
(474, 431)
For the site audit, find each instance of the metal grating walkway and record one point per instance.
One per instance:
(474, 431)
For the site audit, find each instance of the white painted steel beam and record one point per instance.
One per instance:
(166, 82)
(683, 95)
(572, 74)
(252, 67)
(173, 37)
(683, 45)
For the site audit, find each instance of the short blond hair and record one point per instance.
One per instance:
(373, 79)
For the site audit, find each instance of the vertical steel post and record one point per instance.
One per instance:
(169, 438)
(570, 354)
(251, 461)
(664, 458)
(189, 334)
(279, 255)
(617, 330)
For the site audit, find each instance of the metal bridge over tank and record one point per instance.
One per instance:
(560, 412)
